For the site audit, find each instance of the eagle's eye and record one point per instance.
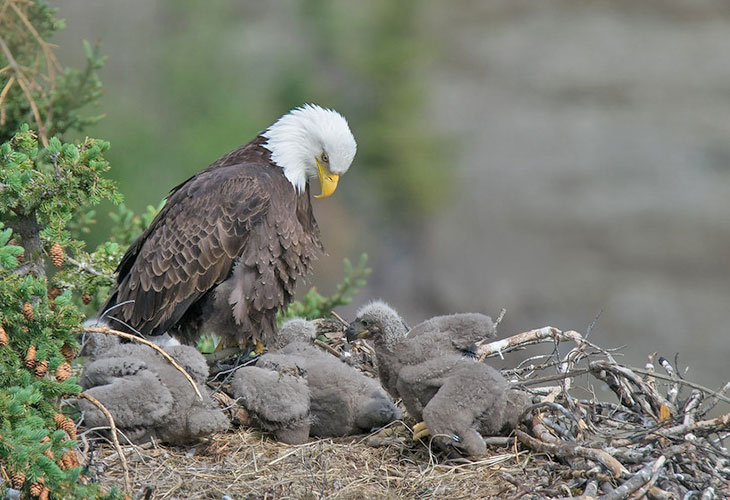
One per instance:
(325, 158)
(365, 323)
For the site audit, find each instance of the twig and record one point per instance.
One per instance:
(500, 317)
(712, 425)
(83, 266)
(117, 446)
(644, 478)
(714, 394)
(26, 90)
(339, 318)
(3, 95)
(157, 348)
(328, 348)
(569, 450)
(545, 334)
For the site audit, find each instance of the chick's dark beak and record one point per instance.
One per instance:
(355, 331)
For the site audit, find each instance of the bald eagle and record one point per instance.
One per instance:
(224, 253)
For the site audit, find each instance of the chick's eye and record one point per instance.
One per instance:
(325, 158)
(365, 323)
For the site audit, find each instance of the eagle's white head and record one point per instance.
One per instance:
(311, 141)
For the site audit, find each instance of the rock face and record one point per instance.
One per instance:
(339, 400)
(146, 395)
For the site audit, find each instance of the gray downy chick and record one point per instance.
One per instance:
(453, 337)
(295, 329)
(277, 400)
(148, 397)
(474, 400)
(343, 401)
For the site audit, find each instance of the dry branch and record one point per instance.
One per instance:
(570, 450)
(645, 478)
(115, 440)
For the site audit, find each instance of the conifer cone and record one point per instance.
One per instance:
(53, 292)
(3, 337)
(86, 298)
(57, 255)
(59, 419)
(68, 352)
(71, 459)
(45, 493)
(36, 488)
(30, 358)
(41, 368)
(63, 372)
(18, 479)
(65, 423)
(28, 313)
(48, 452)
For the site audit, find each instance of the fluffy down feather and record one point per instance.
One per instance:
(277, 400)
(429, 367)
(147, 396)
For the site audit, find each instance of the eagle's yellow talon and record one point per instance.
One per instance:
(420, 431)
(259, 347)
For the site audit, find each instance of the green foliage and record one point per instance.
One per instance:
(315, 305)
(29, 397)
(45, 184)
(50, 187)
(37, 88)
(53, 182)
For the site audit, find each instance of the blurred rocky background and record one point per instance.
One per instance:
(559, 159)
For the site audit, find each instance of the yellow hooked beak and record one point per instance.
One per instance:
(327, 180)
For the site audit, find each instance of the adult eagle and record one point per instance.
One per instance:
(224, 253)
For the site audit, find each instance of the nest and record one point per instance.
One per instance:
(657, 438)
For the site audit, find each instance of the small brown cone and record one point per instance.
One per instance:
(45, 493)
(86, 299)
(63, 372)
(41, 368)
(28, 313)
(30, 358)
(36, 488)
(68, 352)
(3, 337)
(53, 292)
(18, 479)
(65, 423)
(71, 459)
(57, 255)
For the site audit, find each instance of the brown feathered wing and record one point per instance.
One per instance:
(239, 229)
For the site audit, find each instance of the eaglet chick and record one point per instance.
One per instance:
(342, 400)
(436, 337)
(146, 395)
(430, 369)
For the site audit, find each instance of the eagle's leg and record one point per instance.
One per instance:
(420, 431)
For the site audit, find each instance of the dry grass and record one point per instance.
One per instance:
(245, 464)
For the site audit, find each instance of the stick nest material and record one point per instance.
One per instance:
(660, 437)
